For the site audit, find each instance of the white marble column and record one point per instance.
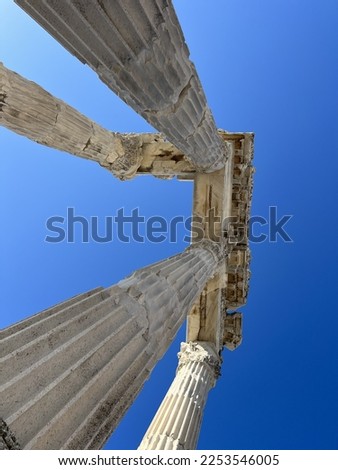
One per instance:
(69, 373)
(177, 423)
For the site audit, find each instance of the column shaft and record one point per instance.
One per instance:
(177, 423)
(138, 50)
(69, 373)
(29, 110)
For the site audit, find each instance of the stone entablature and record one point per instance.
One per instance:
(232, 336)
(225, 194)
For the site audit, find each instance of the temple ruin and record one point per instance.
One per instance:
(69, 373)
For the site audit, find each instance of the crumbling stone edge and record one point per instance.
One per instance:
(7, 438)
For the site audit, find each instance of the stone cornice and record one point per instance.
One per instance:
(238, 235)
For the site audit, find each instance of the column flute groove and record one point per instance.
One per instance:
(177, 423)
(69, 373)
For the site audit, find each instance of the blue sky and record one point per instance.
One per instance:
(269, 67)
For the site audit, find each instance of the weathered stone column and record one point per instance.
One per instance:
(69, 373)
(138, 50)
(177, 423)
(29, 110)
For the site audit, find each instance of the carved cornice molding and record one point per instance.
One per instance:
(232, 332)
(238, 234)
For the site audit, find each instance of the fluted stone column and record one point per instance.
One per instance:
(177, 423)
(138, 50)
(29, 110)
(69, 373)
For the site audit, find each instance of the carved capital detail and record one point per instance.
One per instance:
(202, 352)
(129, 159)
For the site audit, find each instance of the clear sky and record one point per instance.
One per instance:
(267, 66)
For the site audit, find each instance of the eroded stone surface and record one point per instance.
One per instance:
(7, 438)
(232, 334)
(221, 211)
